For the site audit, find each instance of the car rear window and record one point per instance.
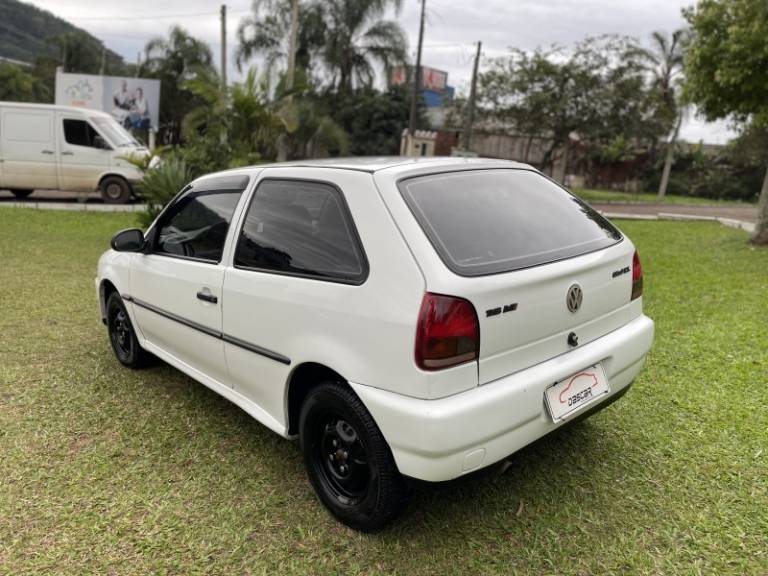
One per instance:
(491, 221)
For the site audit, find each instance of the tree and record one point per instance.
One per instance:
(596, 90)
(175, 61)
(19, 84)
(254, 122)
(727, 71)
(357, 38)
(666, 59)
(346, 37)
(374, 120)
(265, 33)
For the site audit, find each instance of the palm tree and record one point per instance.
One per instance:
(175, 61)
(265, 33)
(348, 37)
(357, 38)
(666, 59)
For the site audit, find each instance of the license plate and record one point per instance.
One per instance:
(575, 392)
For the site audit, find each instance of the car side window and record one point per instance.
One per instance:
(301, 228)
(79, 133)
(196, 225)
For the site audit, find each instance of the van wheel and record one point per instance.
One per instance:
(122, 336)
(347, 459)
(115, 190)
(21, 193)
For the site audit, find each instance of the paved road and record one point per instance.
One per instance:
(53, 196)
(744, 213)
(58, 200)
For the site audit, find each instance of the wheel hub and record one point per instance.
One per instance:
(122, 332)
(344, 459)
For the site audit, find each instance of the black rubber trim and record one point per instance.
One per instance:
(276, 356)
(175, 318)
(256, 349)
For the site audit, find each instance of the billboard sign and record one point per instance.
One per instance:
(133, 102)
(431, 79)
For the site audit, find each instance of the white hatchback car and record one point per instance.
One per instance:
(401, 317)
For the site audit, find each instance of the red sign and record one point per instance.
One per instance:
(431, 79)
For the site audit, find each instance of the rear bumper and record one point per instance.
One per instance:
(442, 439)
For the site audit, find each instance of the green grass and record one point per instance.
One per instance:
(105, 470)
(591, 195)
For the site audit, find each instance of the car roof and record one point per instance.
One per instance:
(56, 107)
(396, 164)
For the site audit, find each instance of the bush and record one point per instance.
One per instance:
(160, 185)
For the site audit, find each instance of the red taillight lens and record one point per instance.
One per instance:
(448, 332)
(637, 277)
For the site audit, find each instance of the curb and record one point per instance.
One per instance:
(729, 222)
(75, 206)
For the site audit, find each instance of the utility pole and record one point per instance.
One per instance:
(471, 103)
(292, 45)
(417, 76)
(223, 48)
(103, 60)
(223, 135)
(282, 149)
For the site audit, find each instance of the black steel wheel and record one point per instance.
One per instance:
(122, 335)
(21, 194)
(347, 459)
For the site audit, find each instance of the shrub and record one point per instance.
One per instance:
(160, 185)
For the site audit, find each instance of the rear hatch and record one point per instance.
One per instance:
(519, 246)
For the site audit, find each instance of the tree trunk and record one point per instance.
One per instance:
(669, 158)
(761, 229)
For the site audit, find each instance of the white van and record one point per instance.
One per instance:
(43, 146)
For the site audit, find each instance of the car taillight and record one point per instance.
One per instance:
(448, 332)
(637, 277)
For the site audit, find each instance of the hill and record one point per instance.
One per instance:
(28, 33)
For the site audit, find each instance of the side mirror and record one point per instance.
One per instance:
(131, 240)
(99, 142)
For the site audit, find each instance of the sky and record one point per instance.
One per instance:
(453, 27)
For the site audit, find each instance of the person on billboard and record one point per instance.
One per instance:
(122, 101)
(139, 115)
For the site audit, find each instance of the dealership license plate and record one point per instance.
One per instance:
(575, 392)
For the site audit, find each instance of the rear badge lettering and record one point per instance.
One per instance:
(624, 270)
(501, 310)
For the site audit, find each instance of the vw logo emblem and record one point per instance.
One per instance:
(573, 298)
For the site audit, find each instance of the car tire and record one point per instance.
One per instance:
(21, 194)
(122, 336)
(347, 459)
(115, 190)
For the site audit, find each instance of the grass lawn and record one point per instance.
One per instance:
(105, 470)
(614, 196)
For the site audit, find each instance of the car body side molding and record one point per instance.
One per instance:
(272, 355)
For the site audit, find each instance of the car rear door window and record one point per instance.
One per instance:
(492, 221)
(196, 225)
(300, 228)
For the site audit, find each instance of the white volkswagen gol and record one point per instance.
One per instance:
(404, 318)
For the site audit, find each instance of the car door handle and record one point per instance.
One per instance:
(47, 152)
(207, 297)
(67, 153)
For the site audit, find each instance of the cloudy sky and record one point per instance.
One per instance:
(453, 26)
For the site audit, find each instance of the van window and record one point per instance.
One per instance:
(300, 228)
(79, 133)
(491, 221)
(27, 127)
